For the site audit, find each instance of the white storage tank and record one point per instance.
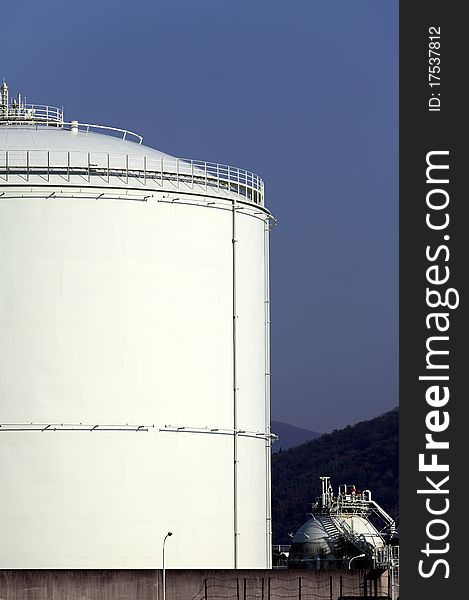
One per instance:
(134, 344)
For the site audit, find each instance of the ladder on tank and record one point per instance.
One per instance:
(331, 528)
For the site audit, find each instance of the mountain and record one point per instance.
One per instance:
(365, 454)
(290, 435)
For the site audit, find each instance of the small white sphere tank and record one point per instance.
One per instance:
(134, 344)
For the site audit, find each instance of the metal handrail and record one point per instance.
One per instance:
(45, 112)
(218, 431)
(72, 125)
(87, 126)
(181, 173)
(52, 427)
(32, 113)
(358, 540)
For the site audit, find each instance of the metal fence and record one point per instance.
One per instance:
(41, 165)
(32, 113)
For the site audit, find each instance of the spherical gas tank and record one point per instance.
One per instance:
(326, 538)
(312, 540)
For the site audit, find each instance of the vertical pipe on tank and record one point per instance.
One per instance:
(4, 99)
(268, 440)
(235, 388)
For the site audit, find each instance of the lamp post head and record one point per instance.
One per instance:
(169, 534)
(353, 557)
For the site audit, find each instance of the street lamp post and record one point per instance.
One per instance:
(164, 571)
(353, 557)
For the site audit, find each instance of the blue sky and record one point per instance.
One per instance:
(304, 93)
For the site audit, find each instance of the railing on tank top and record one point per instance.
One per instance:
(92, 167)
(44, 114)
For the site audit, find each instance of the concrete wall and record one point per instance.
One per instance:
(185, 584)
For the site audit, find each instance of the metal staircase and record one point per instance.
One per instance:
(331, 528)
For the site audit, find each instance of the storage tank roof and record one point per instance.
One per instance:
(32, 137)
(37, 141)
